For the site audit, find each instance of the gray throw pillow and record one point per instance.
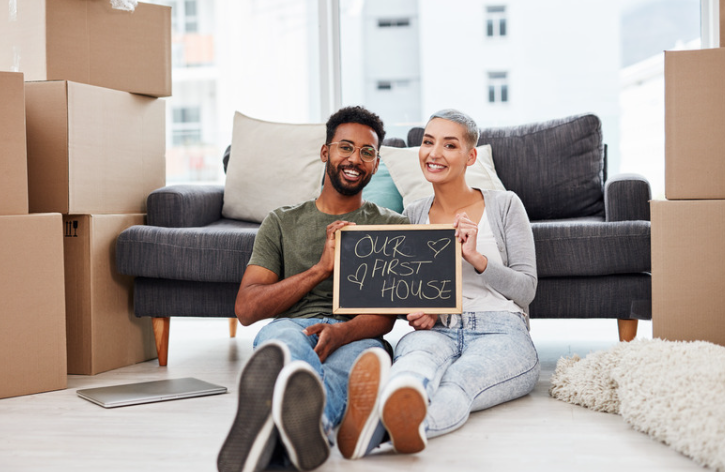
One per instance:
(555, 167)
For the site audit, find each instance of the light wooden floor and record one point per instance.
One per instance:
(59, 432)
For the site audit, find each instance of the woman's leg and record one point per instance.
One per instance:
(425, 356)
(498, 363)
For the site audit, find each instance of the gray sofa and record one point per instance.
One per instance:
(592, 234)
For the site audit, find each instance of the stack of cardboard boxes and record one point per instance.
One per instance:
(688, 229)
(32, 294)
(95, 150)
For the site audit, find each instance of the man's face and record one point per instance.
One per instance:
(349, 175)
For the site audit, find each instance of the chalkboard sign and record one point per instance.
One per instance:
(397, 269)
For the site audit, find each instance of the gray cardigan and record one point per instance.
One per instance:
(516, 277)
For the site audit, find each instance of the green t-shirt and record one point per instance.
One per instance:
(291, 239)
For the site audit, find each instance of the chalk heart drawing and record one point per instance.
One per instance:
(359, 278)
(438, 246)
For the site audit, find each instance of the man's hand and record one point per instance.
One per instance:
(327, 259)
(420, 320)
(330, 337)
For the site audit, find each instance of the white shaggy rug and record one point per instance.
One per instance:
(673, 391)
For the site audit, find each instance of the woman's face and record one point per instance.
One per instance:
(444, 153)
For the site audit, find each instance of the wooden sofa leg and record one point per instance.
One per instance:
(627, 329)
(161, 334)
(233, 323)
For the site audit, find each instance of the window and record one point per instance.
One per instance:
(236, 55)
(394, 23)
(498, 89)
(393, 84)
(190, 17)
(186, 126)
(496, 21)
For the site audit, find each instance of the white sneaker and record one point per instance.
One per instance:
(297, 409)
(361, 430)
(403, 411)
(253, 436)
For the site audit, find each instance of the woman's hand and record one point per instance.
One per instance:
(420, 320)
(467, 234)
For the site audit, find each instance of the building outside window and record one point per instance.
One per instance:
(409, 58)
(186, 126)
(394, 23)
(498, 89)
(496, 21)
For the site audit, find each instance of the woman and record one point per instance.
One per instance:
(451, 365)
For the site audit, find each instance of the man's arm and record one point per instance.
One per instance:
(332, 336)
(262, 295)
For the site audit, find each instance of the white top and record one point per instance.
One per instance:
(477, 294)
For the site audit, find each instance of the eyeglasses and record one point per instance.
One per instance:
(367, 153)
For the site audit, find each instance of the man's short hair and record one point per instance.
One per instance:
(355, 114)
(471, 134)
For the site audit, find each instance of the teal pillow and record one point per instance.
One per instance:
(382, 190)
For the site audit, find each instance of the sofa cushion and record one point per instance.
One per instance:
(591, 248)
(164, 297)
(556, 167)
(218, 252)
(627, 296)
(404, 167)
(265, 156)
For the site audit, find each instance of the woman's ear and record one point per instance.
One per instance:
(472, 155)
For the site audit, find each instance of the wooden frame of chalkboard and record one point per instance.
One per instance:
(397, 269)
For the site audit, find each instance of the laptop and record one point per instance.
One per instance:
(149, 392)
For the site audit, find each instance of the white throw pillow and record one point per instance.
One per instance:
(271, 165)
(404, 167)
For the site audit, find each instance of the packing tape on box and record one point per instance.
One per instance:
(127, 5)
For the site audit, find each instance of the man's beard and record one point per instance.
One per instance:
(338, 183)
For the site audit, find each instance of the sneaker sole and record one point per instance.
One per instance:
(252, 437)
(360, 420)
(298, 407)
(403, 415)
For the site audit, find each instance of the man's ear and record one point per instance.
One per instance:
(324, 152)
(377, 163)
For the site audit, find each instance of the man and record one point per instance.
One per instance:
(294, 387)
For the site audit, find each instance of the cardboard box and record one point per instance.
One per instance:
(694, 124)
(92, 149)
(32, 305)
(688, 270)
(87, 41)
(13, 160)
(103, 332)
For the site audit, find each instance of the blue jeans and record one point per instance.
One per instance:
(467, 363)
(334, 371)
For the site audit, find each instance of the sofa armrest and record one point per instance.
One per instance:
(185, 206)
(626, 197)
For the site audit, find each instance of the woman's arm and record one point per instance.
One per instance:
(518, 280)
